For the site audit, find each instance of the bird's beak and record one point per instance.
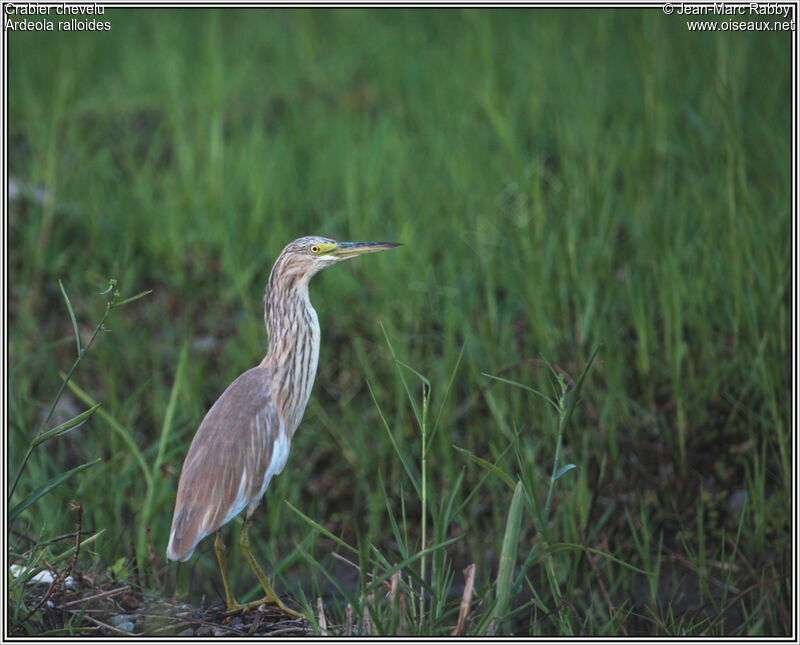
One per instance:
(346, 250)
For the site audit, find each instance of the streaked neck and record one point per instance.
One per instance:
(294, 335)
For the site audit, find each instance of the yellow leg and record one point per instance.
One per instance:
(222, 558)
(271, 597)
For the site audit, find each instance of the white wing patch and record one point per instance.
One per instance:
(241, 500)
(280, 453)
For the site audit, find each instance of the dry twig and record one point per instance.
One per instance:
(103, 594)
(348, 620)
(321, 620)
(466, 599)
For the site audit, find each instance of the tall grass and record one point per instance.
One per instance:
(559, 179)
(46, 553)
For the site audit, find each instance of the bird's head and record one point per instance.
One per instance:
(305, 257)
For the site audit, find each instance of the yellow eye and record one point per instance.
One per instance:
(314, 249)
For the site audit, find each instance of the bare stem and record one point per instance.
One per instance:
(425, 395)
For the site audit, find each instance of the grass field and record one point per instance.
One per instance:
(561, 180)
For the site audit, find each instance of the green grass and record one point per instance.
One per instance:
(561, 180)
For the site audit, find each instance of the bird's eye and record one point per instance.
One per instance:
(314, 249)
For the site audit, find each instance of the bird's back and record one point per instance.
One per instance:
(238, 447)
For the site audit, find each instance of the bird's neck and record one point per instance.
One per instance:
(293, 332)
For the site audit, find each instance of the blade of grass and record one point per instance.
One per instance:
(523, 386)
(447, 393)
(46, 487)
(400, 454)
(131, 299)
(121, 430)
(573, 395)
(166, 427)
(401, 545)
(488, 465)
(403, 378)
(481, 482)
(568, 546)
(322, 529)
(71, 317)
(563, 470)
(508, 557)
(408, 561)
(67, 426)
(68, 553)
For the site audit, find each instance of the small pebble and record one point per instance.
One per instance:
(125, 626)
(121, 621)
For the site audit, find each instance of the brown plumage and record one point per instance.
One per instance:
(235, 440)
(244, 439)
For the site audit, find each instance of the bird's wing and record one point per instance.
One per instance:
(230, 461)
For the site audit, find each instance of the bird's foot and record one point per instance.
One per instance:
(266, 600)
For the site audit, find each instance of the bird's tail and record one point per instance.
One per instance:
(182, 539)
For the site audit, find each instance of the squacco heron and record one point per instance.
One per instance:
(244, 439)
